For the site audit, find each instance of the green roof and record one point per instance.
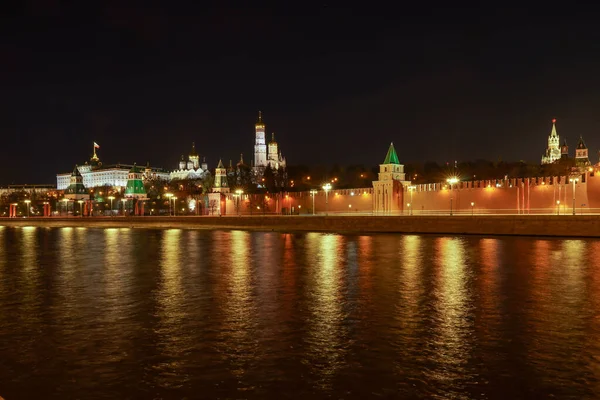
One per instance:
(391, 156)
(135, 186)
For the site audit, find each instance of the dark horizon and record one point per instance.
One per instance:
(336, 84)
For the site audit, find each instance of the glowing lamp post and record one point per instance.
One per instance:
(574, 181)
(239, 193)
(326, 188)
(27, 202)
(409, 209)
(451, 181)
(472, 208)
(313, 192)
(80, 207)
(557, 207)
(111, 198)
(169, 195)
(124, 201)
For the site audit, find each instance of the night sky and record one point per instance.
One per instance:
(336, 83)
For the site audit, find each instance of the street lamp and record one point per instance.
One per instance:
(472, 207)
(574, 181)
(80, 207)
(451, 181)
(557, 207)
(27, 202)
(409, 209)
(327, 188)
(169, 195)
(313, 192)
(124, 201)
(174, 206)
(239, 193)
(111, 198)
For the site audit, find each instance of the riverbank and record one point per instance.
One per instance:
(520, 225)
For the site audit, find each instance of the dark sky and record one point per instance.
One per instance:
(335, 82)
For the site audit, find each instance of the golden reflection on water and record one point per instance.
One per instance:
(170, 295)
(3, 257)
(452, 327)
(174, 341)
(118, 262)
(409, 290)
(326, 351)
(29, 269)
(489, 258)
(239, 342)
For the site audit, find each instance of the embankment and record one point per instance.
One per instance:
(533, 225)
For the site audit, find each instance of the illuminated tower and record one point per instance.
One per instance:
(260, 148)
(221, 179)
(76, 190)
(581, 154)
(388, 188)
(273, 155)
(564, 150)
(553, 151)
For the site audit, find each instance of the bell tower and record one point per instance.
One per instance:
(260, 147)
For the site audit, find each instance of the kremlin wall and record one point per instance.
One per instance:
(390, 195)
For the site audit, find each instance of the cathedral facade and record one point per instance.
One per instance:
(190, 168)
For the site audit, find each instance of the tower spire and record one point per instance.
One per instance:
(260, 117)
(553, 133)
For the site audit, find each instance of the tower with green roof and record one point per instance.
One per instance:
(388, 188)
(135, 189)
(76, 190)
(135, 186)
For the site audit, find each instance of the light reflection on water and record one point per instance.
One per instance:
(125, 313)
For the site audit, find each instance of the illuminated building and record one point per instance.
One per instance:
(553, 151)
(95, 174)
(581, 154)
(260, 147)
(190, 168)
(135, 185)
(220, 184)
(76, 189)
(264, 156)
(387, 189)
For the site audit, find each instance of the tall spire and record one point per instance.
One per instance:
(272, 137)
(553, 133)
(220, 164)
(260, 121)
(391, 156)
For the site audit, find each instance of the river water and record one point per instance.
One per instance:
(171, 314)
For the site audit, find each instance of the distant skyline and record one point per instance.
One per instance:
(335, 83)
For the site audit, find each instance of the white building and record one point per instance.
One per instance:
(190, 168)
(95, 174)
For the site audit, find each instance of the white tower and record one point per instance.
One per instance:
(553, 151)
(260, 147)
(273, 153)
